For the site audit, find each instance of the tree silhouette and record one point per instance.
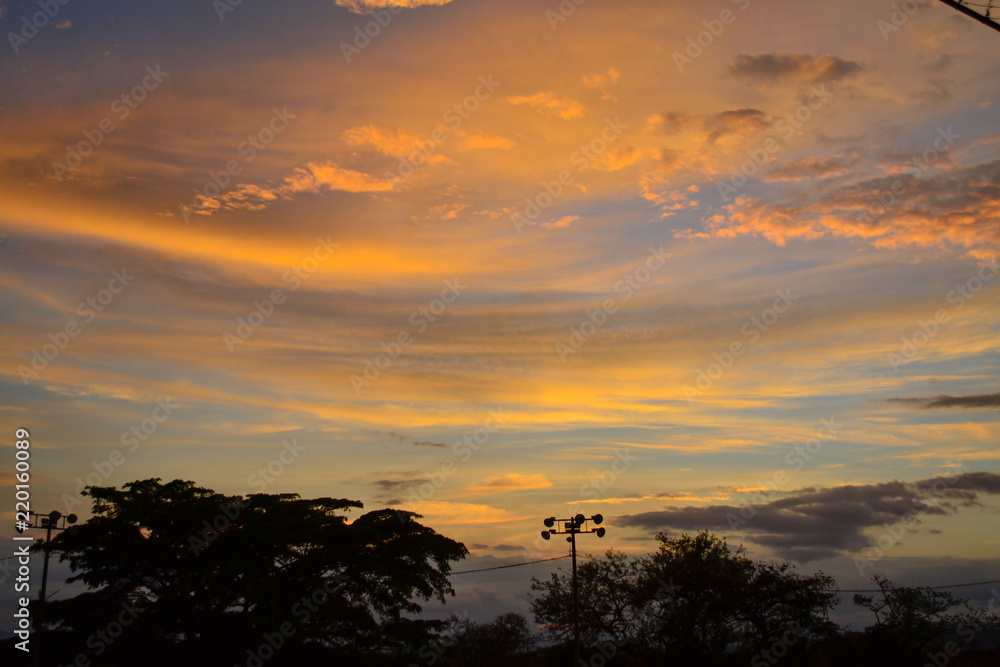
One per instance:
(210, 579)
(608, 596)
(696, 600)
(503, 642)
(909, 620)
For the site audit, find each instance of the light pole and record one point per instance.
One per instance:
(572, 526)
(54, 520)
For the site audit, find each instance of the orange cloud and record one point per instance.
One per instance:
(487, 140)
(460, 513)
(365, 6)
(957, 207)
(313, 177)
(564, 221)
(512, 482)
(550, 102)
(617, 159)
(602, 82)
(393, 142)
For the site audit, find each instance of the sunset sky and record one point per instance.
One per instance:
(496, 261)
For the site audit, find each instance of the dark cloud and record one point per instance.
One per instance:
(389, 484)
(945, 401)
(672, 122)
(799, 67)
(817, 523)
(717, 125)
(811, 167)
(402, 437)
(736, 121)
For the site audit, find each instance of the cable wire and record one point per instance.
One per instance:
(933, 588)
(502, 567)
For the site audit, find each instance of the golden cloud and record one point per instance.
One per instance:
(313, 177)
(512, 481)
(550, 102)
(365, 6)
(487, 140)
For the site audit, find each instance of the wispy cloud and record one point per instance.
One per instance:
(549, 102)
(799, 67)
(512, 482)
(945, 401)
(365, 6)
(314, 177)
(816, 523)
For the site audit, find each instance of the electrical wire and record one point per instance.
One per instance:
(933, 588)
(503, 567)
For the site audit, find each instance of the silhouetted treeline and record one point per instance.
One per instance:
(181, 575)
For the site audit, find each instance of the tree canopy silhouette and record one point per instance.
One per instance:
(694, 599)
(208, 578)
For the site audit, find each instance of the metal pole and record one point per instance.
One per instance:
(576, 603)
(971, 14)
(39, 617)
(571, 527)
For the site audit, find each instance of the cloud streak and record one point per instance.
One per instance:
(811, 523)
(798, 67)
(945, 401)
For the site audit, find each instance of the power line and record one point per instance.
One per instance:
(933, 588)
(502, 567)
(825, 590)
